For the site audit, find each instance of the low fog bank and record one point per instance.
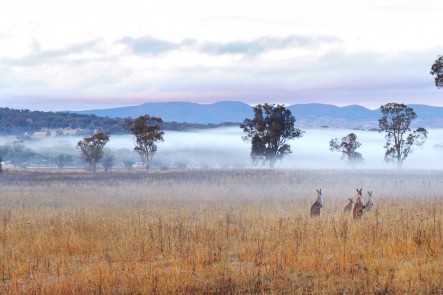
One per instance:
(223, 148)
(197, 187)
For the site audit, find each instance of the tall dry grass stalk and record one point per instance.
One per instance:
(218, 234)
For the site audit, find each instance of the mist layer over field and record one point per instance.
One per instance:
(224, 148)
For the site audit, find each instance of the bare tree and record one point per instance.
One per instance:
(348, 147)
(269, 132)
(92, 148)
(147, 131)
(396, 122)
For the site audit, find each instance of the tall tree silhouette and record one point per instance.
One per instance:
(269, 132)
(396, 123)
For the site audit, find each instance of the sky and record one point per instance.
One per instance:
(84, 54)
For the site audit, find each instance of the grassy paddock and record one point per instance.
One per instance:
(219, 232)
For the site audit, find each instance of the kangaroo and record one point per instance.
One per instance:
(348, 207)
(370, 204)
(359, 207)
(315, 209)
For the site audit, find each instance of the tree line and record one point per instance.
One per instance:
(146, 130)
(273, 126)
(24, 123)
(269, 132)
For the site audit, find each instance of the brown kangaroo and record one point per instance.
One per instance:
(359, 207)
(370, 204)
(315, 209)
(348, 207)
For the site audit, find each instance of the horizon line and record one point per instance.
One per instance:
(221, 101)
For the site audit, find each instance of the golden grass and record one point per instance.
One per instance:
(222, 232)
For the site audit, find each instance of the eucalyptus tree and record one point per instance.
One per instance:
(437, 71)
(269, 133)
(348, 148)
(147, 132)
(400, 139)
(91, 148)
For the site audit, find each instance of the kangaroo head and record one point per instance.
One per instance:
(351, 200)
(370, 193)
(319, 192)
(359, 192)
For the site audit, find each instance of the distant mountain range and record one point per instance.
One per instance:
(219, 112)
(315, 115)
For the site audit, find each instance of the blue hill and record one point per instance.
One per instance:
(313, 114)
(224, 111)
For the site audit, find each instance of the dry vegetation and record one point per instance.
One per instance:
(219, 232)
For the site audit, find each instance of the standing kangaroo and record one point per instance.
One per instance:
(370, 204)
(359, 207)
(348, 207)
(315, 209)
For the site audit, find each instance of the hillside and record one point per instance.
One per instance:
(224, 111)
(315, 115)
(183, 116)
(20, 122)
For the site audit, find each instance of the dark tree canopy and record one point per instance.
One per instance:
(396, 123)
(437, 70)
(348, 147)
(92, 148)
(147, 131)
(269, 132)
(18, 122)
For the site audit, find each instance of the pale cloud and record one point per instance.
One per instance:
(336, 77)
(115, 52)
(38, 56)
(149, 45)
(266, 43)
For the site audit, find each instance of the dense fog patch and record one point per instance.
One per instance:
(224, 148)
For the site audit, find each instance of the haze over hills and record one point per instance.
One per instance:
(224, 111)
(314, 114)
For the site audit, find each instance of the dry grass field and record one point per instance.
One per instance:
(219, 232)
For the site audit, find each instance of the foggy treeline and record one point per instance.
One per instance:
(220, 148)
